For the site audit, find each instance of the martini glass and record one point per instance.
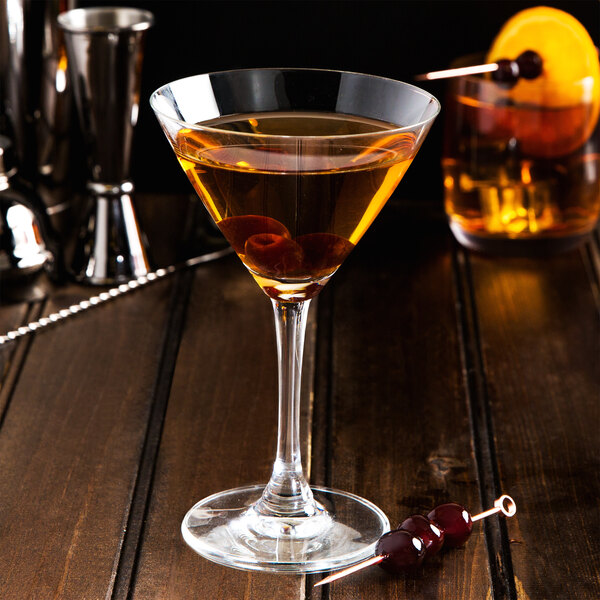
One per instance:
(293, 165)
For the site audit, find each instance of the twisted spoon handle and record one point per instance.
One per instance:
(102, 297)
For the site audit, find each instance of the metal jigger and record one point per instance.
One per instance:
(104, 54)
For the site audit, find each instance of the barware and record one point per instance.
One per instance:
(27, 241)
(104, 53)
(521, 177)
(293, 165)
(36, 106)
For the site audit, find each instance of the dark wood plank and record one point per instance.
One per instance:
(482, 431)
(540, 335)
(161, 392)
(13, 353)
(219, 433)
(70, 444)
(77, 398)
(400, 425)
(12, 316)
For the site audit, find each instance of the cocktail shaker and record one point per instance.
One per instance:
(27, 240)
(36, 108)
(35, 99)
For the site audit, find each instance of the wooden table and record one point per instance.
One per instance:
(431, 374)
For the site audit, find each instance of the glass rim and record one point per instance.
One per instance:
(385, 132)
(139, 19)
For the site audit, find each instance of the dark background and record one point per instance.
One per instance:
(396, 39)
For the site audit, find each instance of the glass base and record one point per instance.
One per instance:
(226, 529)
(505, 246)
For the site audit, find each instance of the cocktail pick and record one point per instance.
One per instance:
(405, 548)
(527, 65)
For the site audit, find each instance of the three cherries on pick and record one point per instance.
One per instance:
(420, 537)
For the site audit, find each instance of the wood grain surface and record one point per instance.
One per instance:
(397, 398)
(70, 446)
(540, 338)
(431, 374)
(222, 411)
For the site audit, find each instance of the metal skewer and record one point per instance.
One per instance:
(505, 504)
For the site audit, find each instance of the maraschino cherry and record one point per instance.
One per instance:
(418, 538)
(528, 65)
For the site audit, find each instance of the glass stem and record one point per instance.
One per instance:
(288, 492)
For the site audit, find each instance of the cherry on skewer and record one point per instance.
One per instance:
(428, 531)
(527, 65)
(419, 537)
(455, 522)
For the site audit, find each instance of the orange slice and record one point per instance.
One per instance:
(570, 79)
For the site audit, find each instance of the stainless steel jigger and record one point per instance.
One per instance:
(104, 54)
